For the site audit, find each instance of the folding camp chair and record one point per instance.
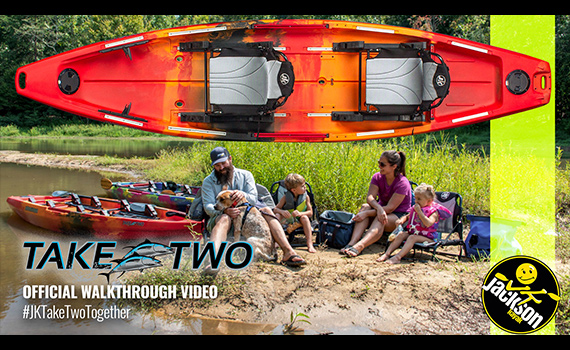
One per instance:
(447, 227)
(278, 190)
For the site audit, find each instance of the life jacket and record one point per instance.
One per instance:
(292, 204)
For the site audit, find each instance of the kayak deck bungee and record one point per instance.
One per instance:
(70, 213)
(289, 81)
(162, 194)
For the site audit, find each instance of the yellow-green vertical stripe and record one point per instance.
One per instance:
(522, 154)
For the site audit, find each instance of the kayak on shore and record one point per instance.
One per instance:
(74, 214)
(163, 194)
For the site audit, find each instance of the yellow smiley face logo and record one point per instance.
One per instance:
(526, 274)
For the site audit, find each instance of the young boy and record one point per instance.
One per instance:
(423, 219)
(295, 210)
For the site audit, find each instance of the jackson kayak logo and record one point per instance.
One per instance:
(284, 79)
(520, 295)
(441, 81)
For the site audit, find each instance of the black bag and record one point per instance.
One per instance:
(335, 229)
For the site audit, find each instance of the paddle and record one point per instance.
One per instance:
(106, 184)
(505, 279)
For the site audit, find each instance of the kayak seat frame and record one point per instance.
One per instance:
(245, 82)
(403, 81)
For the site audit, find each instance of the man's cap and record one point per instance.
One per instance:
(219, 155)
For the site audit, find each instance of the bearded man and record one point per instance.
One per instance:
(242, 182)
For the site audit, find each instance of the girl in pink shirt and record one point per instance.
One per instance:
(422, 225)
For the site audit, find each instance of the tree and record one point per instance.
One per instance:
(25, 39)
(563, 77)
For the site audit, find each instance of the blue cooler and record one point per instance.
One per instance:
(478, 241)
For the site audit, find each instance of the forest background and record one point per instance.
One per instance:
(28, 38)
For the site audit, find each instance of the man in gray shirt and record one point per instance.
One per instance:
(242, 182)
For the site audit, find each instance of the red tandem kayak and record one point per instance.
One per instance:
(289, 81)
(103, 218)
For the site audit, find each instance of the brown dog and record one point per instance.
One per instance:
(254, 228)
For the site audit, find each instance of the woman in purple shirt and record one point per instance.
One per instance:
(389, 198)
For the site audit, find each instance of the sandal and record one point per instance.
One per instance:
(343, 250)
(352, 250)
(292, 263)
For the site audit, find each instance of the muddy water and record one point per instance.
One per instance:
(24, 180)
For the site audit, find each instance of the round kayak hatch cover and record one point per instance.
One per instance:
(518, 82)
(68, 81)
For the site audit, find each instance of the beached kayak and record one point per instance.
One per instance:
(163, 194)
(289, 80)
(103, 218)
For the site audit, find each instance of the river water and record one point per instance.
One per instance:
(94, 146)
(14, 276)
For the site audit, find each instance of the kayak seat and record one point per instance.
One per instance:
(249, 81)
(404, 81)
(125, 205)
(75, 199)
(150, 211)
(246, 82)
(394, 84)
(95, 202)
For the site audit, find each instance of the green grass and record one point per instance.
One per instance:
(340, 173)
(74, 130)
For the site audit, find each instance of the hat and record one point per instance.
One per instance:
(219, 155)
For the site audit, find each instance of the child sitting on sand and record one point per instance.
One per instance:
(422, 220)
(294, 209)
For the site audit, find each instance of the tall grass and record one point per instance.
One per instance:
(74, 130)
(340, 173)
